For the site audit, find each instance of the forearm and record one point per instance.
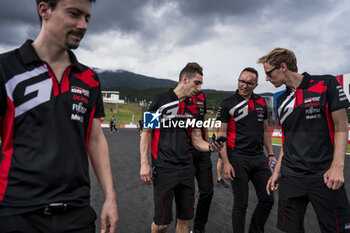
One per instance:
(99, 157)
(144, 146)
(340, 137)
(201, 145)
(279, 162)
(340, 145)
(223, 152)
(267, 138)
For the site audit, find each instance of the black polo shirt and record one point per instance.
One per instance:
(171, 144)
(44, 131)
(245, 124)
(307, 126)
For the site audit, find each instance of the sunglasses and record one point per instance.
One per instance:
(246, 83)
(268, 73)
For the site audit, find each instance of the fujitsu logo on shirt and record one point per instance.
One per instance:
(79, 108)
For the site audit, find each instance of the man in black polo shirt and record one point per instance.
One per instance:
(203, 173)
(172, 167)
(244, 121)
(310, 167)
(50, 109)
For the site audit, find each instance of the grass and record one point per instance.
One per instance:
(125, 113)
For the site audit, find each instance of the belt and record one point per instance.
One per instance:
(55, 208)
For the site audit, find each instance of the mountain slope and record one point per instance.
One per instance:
(114, 80)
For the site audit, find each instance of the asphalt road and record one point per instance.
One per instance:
(135, 199)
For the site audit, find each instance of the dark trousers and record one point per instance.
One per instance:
(113, 127)
(257, 170)
(331, 206)
(204, 177)
(72, 220)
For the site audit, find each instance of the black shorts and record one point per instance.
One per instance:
(331, 206)
(71, 219)
(167, 184)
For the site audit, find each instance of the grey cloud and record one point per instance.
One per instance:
(15, 32)
(18, 21)
(197, 16)
(19, 10)
(117, 15)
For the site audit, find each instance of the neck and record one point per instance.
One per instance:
(179, 93)
(246, 97)
(49, 50)
(294, 80)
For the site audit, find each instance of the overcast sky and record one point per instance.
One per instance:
(158, 37)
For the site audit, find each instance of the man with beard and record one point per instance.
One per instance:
(50, 107)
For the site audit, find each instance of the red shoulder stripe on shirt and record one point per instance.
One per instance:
(319, 88)
(261, 101)
(87, 78)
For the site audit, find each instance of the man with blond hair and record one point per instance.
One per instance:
(310, 168)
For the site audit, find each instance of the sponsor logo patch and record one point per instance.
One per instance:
(312, 99)
(80, 91)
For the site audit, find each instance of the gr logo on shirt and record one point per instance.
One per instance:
(26, 95)
(80, 91)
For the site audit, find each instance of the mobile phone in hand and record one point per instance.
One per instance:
(221, 139)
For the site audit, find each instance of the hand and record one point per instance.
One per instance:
(273, 182)
(216, 146)
(146, 174)
(334, 177)
(109, 213)
(272, 158)
(229, 172)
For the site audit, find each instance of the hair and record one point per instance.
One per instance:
(251, 70)
(190, 70)
(279, 55)
(52, 4)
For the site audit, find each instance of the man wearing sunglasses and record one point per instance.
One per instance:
(310, 167)
(243, 117)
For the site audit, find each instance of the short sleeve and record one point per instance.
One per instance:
(205, 104)
(337, 98)
(203, 108)
(154, 104)
(99, 108)
(223, 114)
(265, 111)
(3, 98)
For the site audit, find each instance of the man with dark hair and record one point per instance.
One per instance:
(173, 171)
(50, 109)
(310, 167)
(51, 4)
(243, 117)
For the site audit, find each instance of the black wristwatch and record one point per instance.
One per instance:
(271, 155)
